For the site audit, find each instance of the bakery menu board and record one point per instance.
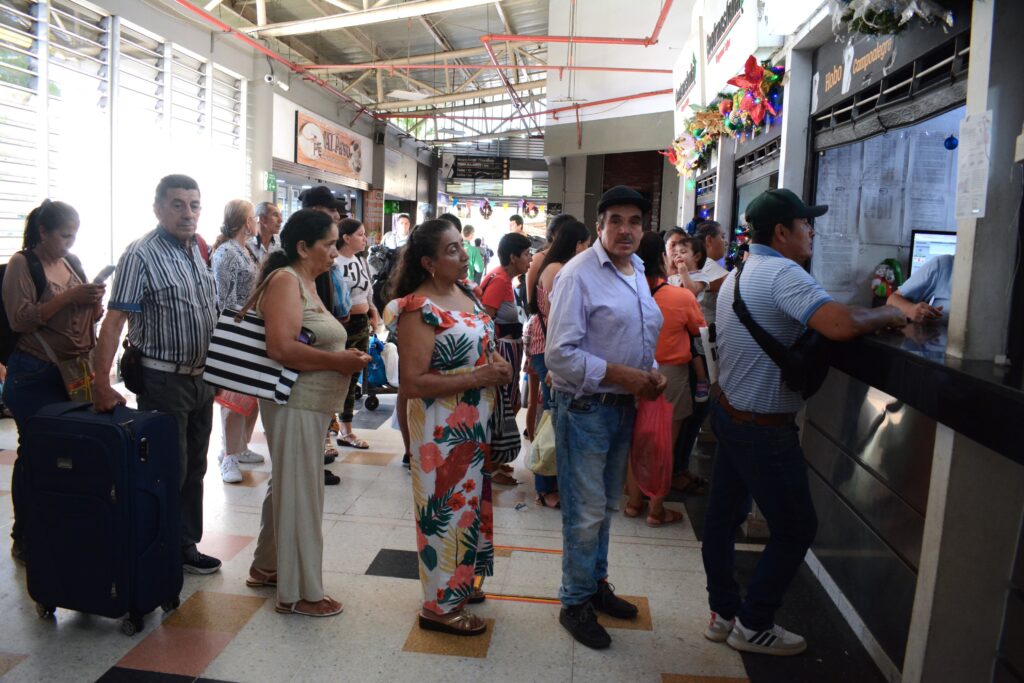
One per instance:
(878, 191)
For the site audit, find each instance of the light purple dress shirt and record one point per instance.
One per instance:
(598, 318)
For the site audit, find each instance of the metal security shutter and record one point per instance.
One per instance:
(20, 137)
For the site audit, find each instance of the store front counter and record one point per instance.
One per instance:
(869, 437)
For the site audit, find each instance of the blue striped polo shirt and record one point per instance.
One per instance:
(781, 297)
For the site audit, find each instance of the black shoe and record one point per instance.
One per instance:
(331, 479)
(201, 564)
(19, 553)
(328, 459)
(581, 622)
(605, 600)
(405, 460)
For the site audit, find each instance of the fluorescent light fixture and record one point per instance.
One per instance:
(408, 95)
(282, 85)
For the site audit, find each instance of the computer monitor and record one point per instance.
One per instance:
(927, 244)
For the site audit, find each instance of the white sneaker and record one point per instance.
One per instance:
(250, 457)
(229, 472)
(719, 628)
(774, 641)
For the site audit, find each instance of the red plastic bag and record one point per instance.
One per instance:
(242, 404)
(651, 454)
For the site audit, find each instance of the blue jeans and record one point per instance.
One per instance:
(592, 445)
(542, 483)
(31, 384)
(768, 464)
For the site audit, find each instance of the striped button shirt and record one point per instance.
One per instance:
(781, 297)
(170, 297)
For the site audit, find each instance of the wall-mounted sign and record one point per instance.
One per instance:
(733, 30)
(328, 147)
(687, 80)
(480, 168)
(843, 69)
(269, 181)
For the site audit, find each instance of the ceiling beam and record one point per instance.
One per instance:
(459, 97)
(415, 59)
(462, 107)
(406, 10)
(362, 41)
(261, 12)
(441, 41)
(212, 5)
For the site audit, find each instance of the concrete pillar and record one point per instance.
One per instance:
(687, 202)
(260, 100)
(796, 152)
(986, 247)
(594, 189)
(575, 186)
(670, 195)
(556, 181)
(725, 185)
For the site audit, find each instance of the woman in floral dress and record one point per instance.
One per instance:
(448, 372)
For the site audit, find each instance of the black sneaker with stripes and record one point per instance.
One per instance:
(774, 641)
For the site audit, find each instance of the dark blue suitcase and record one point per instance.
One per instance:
(104, 527)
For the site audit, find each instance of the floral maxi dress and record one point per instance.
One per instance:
(449, 442)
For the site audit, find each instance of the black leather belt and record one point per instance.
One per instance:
(613, 400)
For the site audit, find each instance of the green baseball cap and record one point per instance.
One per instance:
(780, 206)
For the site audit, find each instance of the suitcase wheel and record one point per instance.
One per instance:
(132, 624)
(45, 612)
(171, 604)
(371, 402)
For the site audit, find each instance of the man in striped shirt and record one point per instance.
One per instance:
(759, 451)
(165, 291)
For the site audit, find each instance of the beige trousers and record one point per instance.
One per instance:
(237, 429)
(291, 530)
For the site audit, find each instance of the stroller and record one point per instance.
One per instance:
(374, 376)
(382, 261)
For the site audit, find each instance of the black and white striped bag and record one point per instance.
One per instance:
(238, 361)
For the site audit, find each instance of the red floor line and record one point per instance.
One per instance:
(523, 598)
(528, 550)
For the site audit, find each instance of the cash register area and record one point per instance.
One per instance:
(224, 631)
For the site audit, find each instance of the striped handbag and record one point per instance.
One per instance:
(237, 359)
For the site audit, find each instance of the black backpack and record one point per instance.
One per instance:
(8, 337)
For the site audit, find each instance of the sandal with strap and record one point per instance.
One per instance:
(330, 452)
(633, 511)
(261, 579)
(350, 440)
(302, 607)
(670, 516)
(542, 498)
(503, 479)
(458, 623)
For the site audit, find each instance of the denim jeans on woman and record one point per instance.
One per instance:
(542, 483)
(31, 384)
(592, 445)
(768, 464)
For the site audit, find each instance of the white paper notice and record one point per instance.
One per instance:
(834, 264)
(972, 165)
(881, 211)
(930, 161)
(884, 159)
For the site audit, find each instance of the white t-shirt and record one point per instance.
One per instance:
(708, 300)
(357, 277)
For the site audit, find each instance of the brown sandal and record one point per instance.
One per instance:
(301, 608)
(670, 516)
(503, 479)
(459, 623)
(261, 579)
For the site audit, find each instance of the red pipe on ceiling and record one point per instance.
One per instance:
(480, 67)
(596, 40)
(296, 68)
(553, 112)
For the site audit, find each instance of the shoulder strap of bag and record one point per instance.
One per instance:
(770, 345)
(655, 290)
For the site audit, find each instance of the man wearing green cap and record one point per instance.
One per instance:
(759, 451)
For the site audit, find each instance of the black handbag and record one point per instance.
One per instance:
(804, 365)
(130, 368)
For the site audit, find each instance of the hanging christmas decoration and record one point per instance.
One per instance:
(530, 210)
(748, 111)
(885, 17)
(486, 210)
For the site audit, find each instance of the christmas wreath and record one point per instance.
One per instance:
(531, 210)
(486, 210)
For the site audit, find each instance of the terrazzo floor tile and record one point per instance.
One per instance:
(252, 478)
(215, 612)
(223, 546)
(183, 651)
(367, 458)
(684, 678)
(642, 621)
(8, 661)
(434, 643)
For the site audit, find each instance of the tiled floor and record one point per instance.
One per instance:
(225, 631)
